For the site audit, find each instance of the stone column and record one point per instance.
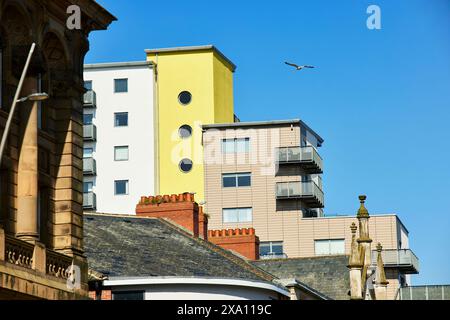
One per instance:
(27, 176)
(381, 283)
(355, 265)
(364, 238)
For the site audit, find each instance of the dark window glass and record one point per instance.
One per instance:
(186, 165)
(120, 85)
(185, 131)
(121, 119)
(244, 180)
(87, 187)
(185, 97)
(121, 187)
(128, 295)
(87, 118)
(229, 181)
(277, 248)
(264, 249)
(88, 85)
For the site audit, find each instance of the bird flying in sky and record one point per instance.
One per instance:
(297, 67)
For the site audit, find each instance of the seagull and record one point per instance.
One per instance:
(297, 67)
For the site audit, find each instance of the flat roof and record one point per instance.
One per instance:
(108, 65)
(193, 48)
(262, 123)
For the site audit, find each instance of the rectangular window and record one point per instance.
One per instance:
(121, 153)
(121, 119)
(271, 248)
(237, 215)
(121, 187)
(87, 187)
(128, 295)
(88, 85)
(236, 180)
(120, 85)
(87, 118)
(87, 152)
(237, 145)
(329, 247)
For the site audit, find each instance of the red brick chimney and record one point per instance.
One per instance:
(180, 209)
(243, 241)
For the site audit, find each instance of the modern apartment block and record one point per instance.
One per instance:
(267, 176)
(142, 124)
(119, 136)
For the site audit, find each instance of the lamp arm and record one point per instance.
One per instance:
(14, 103)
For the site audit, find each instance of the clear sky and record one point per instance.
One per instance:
(379, 98)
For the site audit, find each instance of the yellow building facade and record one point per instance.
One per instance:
(193, 87)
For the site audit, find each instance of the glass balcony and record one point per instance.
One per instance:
(403, 259)
(90, 99)
(307, 157)
(89, 166)
(430, 292)
(307, 191)
(89, 132)
(89, 200)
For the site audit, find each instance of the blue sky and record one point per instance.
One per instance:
(379, 98)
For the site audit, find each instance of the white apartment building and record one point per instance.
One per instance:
(118, 155)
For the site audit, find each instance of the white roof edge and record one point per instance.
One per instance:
(134, 281)
(129, 64)
(262, 123)
(193, 48)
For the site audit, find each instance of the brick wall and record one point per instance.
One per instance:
(243, 241)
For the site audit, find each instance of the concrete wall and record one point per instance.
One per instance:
(138, 135)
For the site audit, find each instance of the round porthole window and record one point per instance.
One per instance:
(185, 131)
(186, 165)
(185, 97)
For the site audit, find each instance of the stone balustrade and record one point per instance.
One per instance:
(34, 256)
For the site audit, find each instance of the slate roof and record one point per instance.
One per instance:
(327, 274)
(130, 246)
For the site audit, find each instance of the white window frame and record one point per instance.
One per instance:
(116, 148)
(329, 251)
(271, 245)
(115, 88)
(121, 113)
(236, 177)
(237, 212)
(234, 143)
(127, 188)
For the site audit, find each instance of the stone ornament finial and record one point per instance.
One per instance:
(353, 227)
(379, 247)
(362, 211)
(380, 275)
(355, 251)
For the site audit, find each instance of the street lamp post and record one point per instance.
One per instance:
(31, 97)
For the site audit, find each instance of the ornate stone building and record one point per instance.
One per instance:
(41, 223)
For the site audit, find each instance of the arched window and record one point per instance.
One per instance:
(1, 73)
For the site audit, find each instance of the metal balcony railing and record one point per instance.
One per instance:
(307, 157)
(398, 258)
(89, 166)
(430, 292)
(89, 132)
(90, 99)
(273, 256)
(307, 191)
(89, 200)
